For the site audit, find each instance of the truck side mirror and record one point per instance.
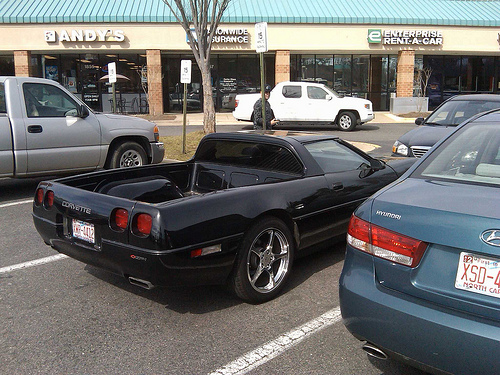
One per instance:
(328, 97)
(83, 111)
(419, 121)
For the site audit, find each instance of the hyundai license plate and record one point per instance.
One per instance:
(478, 274)
(83, 231)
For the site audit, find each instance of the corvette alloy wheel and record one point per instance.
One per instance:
(264, 261)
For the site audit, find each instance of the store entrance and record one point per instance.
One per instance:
(231, 75)
(173, 89)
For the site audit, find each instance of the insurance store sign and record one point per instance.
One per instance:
(405, 37)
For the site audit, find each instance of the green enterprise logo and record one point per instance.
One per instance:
(374, 36)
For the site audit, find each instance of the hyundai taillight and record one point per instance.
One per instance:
(142, 224)
(384, 243)
(119, 219)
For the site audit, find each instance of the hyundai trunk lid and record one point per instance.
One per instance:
(456, 220)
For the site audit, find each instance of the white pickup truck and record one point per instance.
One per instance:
(306, 103)
(44, 129)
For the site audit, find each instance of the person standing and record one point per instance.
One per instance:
(258, 122)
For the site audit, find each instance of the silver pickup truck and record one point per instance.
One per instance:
(44, 129)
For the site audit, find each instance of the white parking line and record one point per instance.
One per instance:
(272, 349)
(15, 203)
(33, 263)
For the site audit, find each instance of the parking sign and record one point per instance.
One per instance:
(261, 37)
(185, 71)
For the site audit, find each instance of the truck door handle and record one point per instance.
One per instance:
(35, 129)
(337, 186)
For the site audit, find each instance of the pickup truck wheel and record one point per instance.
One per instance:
(128, 154)
(347, 121)
(264, 261)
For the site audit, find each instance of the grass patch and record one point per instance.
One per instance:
(173, 145)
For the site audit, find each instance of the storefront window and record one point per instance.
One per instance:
(452, 74)
(90, 73)
(231, 75)
(360, 75)
(69, 76)
(226, 82)
(342, 74)
(7, 65)
(324, 70)
(50, 67)
(82, 75)
(477, 74)
(460, 74)
(307, 68)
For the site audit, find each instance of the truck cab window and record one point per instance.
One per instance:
(292, 91)
(43, 100)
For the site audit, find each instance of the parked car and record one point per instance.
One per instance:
(441, 122)
(45, 129)
(308, 103)
(237, 213)
(421, 278)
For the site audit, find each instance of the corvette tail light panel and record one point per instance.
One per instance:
(119, 219)
(142, 224)
(384, 243)
(44, 197)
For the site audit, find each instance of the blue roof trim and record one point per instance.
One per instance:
(381, 12)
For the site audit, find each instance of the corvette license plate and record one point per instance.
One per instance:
(83, 231)
(478, 274)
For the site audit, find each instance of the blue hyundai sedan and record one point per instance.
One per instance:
(421, 277)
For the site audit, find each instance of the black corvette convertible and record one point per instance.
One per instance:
(239, 212)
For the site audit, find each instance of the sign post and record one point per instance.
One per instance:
(112, 80)
(185, 79)
(260, 48)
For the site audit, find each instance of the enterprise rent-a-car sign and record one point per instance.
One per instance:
(405, 37)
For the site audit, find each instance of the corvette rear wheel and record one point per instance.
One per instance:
(264, 261)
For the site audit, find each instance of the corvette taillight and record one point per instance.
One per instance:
(142, 224)
(46, 198)
(49, 199)
(119, 219)
(384, 243)
(39, 196)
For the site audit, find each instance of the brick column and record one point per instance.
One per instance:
(406, 67)
(282, 68)
(22, 63)
(155, 88)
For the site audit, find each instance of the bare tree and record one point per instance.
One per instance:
(421, 82)
(204, 17)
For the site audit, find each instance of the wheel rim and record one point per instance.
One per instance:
(345, 121)
(268, 260)
(130, 158)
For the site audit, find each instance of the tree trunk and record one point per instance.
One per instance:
(208, 102)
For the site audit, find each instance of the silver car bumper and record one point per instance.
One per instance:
(157, 152)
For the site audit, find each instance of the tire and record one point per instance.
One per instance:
(347, 121)
(128, 154)
(264, 261)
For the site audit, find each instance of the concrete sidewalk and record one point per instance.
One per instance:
(175, 119)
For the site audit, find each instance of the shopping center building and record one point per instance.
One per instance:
(362, 48)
